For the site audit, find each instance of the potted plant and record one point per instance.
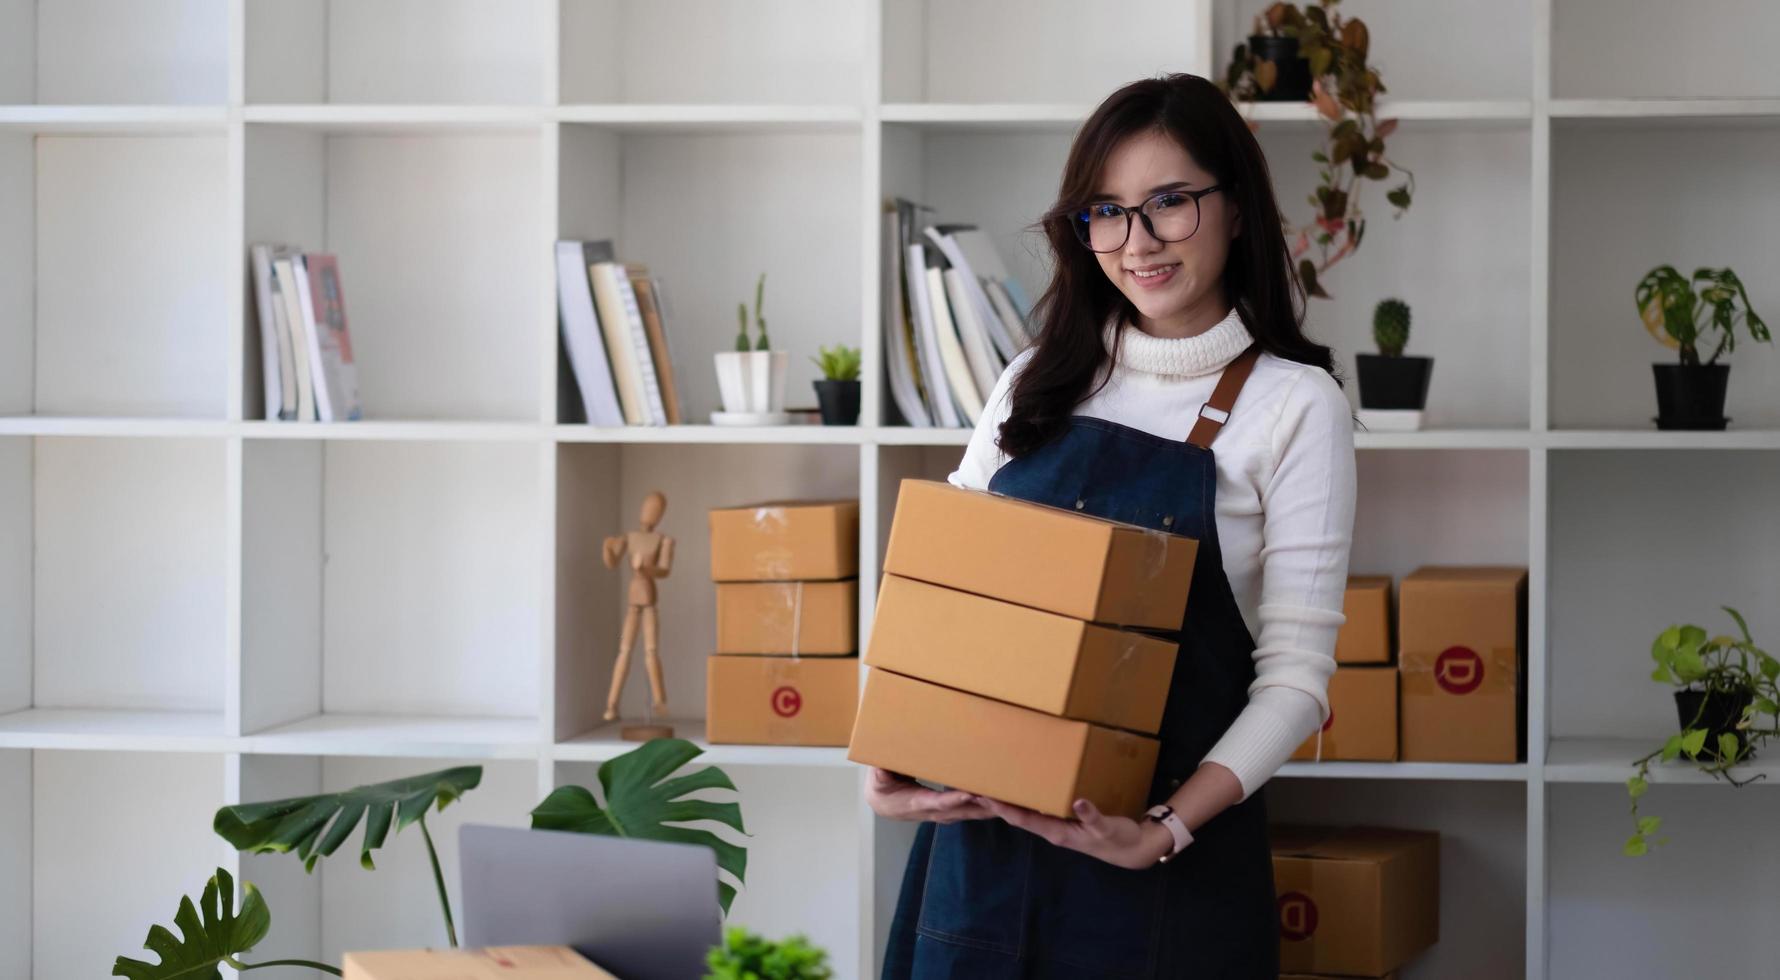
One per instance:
(744, 955)
(1345, 89)
(837, 394)
(1690, 394)
(1391, 380)
(751, 378)
(1723, 684)
(1277, 67)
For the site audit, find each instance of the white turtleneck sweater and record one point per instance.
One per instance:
(1285, 511)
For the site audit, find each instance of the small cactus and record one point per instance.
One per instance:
(741, 337)
(741, 312)
(1390, 326)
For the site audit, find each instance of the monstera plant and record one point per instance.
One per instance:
(642, 798)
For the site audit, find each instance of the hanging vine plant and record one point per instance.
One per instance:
(1345, 90)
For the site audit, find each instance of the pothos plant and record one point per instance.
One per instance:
(1725, 666)
(1345, 90)
(642, 796)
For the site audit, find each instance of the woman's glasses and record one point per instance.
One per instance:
(1169, 216)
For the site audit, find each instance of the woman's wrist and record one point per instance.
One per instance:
(1158, 840)
(1211, 790)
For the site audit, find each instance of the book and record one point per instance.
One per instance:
(897, 325)
(985, 368)
(940, 401)
(615, 327)
(983, 315)
(957, 369)
(581, 340)
(286, 266)
(275, 351)
(648, 290)
(330, 341)
(986, 262)
(639, 346)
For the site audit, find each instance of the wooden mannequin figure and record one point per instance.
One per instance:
(651, 555)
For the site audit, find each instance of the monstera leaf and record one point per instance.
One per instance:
(641, 801)
(218, 937)
(296, 824)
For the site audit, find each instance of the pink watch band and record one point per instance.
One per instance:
(1164, 814)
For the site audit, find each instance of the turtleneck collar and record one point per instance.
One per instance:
(1199, 354)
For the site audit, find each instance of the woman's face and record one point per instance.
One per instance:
(1176, 286)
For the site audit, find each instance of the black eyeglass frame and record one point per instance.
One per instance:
(1079, 217)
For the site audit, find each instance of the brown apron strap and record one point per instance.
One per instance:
(1215, 412)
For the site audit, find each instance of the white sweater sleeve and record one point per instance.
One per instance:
(981, 457)
(1307, 533)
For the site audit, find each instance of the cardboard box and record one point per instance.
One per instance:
(1000, 750)
(1044, 557)
(1356, 900)
(1462, 658)
(492, 963)
(753, 700)
(1362, 725)
(1329, 976)
(811, 619)
(1050, 663)
(785, 540)
(1366, 636)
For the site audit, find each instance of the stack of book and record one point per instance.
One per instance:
(618, 368)
(953, 318)
(305, 349)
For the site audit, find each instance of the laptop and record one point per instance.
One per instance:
(640, 909)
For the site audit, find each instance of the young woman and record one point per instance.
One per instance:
(1172, 319)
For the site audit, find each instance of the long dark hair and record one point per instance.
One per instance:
(1258, 277)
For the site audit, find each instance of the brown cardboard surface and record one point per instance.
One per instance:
(999, 750)
(1050, 663)
(1362, 724)
(1357, 900)
(753, 700)
(811, 619)
(785, 540)
(1462, 660)
(1366, 636)
(492, 963)
(1044, 557)
(1329, 976)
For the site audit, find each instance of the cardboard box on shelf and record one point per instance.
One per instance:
(1366, 636)
(1330, 976)
(757, 700)
(1040, 660)
(1048, 558)
(492, 963)
(1000, 750)
(1355, 900)
(1462, 638)
(810, 619)
(1362, 725)
(785, 540)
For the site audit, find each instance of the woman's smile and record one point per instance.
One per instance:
(1153, 276)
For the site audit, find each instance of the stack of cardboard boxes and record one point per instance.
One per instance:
(1006, 654)
(786, 670)
(1455, 689)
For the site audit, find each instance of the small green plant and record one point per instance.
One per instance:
(746, 956)
(741, 312)
(839, 363)
(218, 937)
(1679, 317)
(1390, 326)
(1723, 665)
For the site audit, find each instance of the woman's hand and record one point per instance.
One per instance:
(1120, 841)
(894, 796)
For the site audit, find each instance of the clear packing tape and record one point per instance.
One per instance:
(771, 562)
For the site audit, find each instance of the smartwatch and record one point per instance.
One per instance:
(1164, 814)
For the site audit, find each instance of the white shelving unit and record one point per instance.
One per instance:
(200, 607)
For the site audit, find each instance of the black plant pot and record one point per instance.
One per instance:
(1292, 81)
(1691, 396)
(839, 401)
(1394, 382)
(1722, 711)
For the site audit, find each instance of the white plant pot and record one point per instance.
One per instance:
(752, 381)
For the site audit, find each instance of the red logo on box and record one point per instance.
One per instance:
(1330, 721)
(1297, 916)
(1458, 670)
(787, 702)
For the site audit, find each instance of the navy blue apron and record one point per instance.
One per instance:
(982, 899)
